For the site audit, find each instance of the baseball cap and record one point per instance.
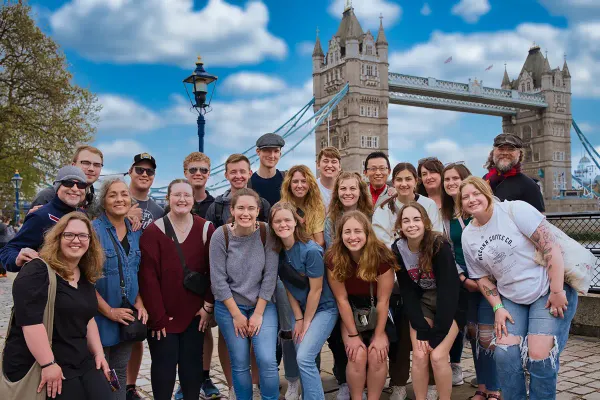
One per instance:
(144, 157)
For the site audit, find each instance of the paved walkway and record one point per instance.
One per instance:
(579, 373)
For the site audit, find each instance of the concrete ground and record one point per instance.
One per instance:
(579, 376)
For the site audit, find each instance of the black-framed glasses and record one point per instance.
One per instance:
(202, 170)
(69, 184)
(88, 164)
(425, 159)
(70, 236)
(378, 169)
(451, 164)
(141, 170)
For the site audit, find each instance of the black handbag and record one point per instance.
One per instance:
(288, 273)
(193, 281)
(136, 331)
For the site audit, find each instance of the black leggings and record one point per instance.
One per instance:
(177, 350)
(90, 386)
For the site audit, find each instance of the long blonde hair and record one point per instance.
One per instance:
(313, 207)
(91, 263)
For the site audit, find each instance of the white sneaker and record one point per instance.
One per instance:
(343, 392)
(256, 393)
(232, 395)
(293, 390)
(457, 375)
(432, 393)
(398, 393)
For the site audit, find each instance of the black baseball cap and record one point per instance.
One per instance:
(144, 157)
(508, 139)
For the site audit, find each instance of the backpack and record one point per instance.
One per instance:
(263, 235)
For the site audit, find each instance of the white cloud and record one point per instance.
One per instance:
(121, 148)
(368, 11)
(125, 115)
(167, 32)
(426, 10)
(253, 83)
(305, 48)
(447, 150)
(471, 10)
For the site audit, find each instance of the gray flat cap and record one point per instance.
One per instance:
(270, 140)
(69, 173)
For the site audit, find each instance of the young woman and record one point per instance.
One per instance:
(361, 274)
(244, 275)
(429, 287)
(533, 306)
(313, 304)
(177, 316)
(122, 250)
(349, 193)
(429, 171)
(74, 366)
(300, 188)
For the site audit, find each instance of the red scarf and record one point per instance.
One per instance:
(495, 177)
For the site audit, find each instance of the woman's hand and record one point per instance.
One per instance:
(240, 325)
(52, 377)
(102, 364)
(353, 345)
(298, 334)
(500, 317)
(254, 324)
(121, 315)
(381, 345)
(557, 302)
(205, 319)
(163, 331)
(423, 345)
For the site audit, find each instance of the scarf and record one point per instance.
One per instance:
(494, 177)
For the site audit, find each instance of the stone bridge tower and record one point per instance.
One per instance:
(546, 134)
(359, 125)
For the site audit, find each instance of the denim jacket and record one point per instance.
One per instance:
(109, 285)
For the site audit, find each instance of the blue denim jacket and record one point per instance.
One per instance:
(109, 285)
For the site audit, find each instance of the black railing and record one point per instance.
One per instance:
(585, 228)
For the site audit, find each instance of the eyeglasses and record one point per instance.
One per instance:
(141, 170)
(70, 184)
(375, 169)
(87, 164)
(70, 236)
(202, 170)
(451, 164)
(422, 160)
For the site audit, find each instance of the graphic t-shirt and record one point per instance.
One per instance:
(325, 194)
(150, 212)
(426, 280)
(502, 249)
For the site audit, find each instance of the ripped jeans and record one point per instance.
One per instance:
(533, 319)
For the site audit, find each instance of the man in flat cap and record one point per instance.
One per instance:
(505, 176)
(268, 179)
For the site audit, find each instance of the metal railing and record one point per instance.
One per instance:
(585, 228)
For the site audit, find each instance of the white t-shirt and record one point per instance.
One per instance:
(502, 249)
(325, 194)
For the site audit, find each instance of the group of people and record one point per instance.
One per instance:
(282, 263)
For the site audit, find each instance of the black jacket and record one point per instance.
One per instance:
(520, 187)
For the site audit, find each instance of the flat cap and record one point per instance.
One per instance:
(508, 139)
(270, 140)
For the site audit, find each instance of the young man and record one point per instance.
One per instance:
(377, 171)
(268, 179)
(329, 167)
(69, 188)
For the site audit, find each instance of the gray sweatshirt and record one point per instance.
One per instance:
(246, 271)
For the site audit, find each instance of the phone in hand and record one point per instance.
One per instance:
(114, 381)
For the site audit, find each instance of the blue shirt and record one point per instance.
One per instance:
(307, 259)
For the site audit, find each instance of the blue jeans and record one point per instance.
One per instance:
(286, 323)
(481, 313)
(533, 319)
(239, 352)
(308, 350)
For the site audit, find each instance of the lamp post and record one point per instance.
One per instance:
(16, 181)
(200, 79)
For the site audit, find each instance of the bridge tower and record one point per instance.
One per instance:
(546, 134)
(359, 124)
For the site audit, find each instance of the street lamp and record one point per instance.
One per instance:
(200, 79)
(16, 181)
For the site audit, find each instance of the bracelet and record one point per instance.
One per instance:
(208, 312)
(47, 365)
(299, 319)
(498, 306)
(354, 335)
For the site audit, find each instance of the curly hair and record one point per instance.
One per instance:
(300, 234)
(431, 165)
(373, 254)
(92, 262)
(449, 207)
(365, 202)
(431, 242)
(313, 206)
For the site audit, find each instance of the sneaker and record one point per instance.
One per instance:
(132, 394)
(398, 393)
(457, 375)
(343, 392)
(208, 390)
(474, 382)
(293, 390)
(256, 392)
(178, 393)
(432, 393)
(232, 395)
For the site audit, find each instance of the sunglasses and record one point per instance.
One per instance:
(70, 184)
(451, 164)
(422, 160)
(141, 170)
(202, 170)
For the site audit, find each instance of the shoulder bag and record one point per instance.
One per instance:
(365, 318)
(26, 388)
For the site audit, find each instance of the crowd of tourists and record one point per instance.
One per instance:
(376, 263)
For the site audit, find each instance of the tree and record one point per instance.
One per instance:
(43, 115)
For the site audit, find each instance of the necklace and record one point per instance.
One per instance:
(182, 230)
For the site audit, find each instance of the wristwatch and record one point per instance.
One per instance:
(47, 365)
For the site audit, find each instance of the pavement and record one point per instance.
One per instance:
(579, 376)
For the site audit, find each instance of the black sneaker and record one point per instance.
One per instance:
(132, 394)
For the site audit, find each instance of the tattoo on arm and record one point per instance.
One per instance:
(490, 291)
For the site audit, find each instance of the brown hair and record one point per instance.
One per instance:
(300, 234)
(234, 158)
(373, 254)
(196, 156)
(313, 207)
(431, 165)
(449, 207)
(86, 147)
(330, 152)
(431, 242)
(403, 166)
(364, 205)
(479, 184)
(240, 193)
(92, 262)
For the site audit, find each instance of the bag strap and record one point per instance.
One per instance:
(205, 232)
(171, 233)
(121, 275)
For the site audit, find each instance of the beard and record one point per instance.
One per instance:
(503, 165)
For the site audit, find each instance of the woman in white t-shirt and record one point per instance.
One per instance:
(533, 306)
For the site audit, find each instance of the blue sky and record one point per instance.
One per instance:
(134, 54)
